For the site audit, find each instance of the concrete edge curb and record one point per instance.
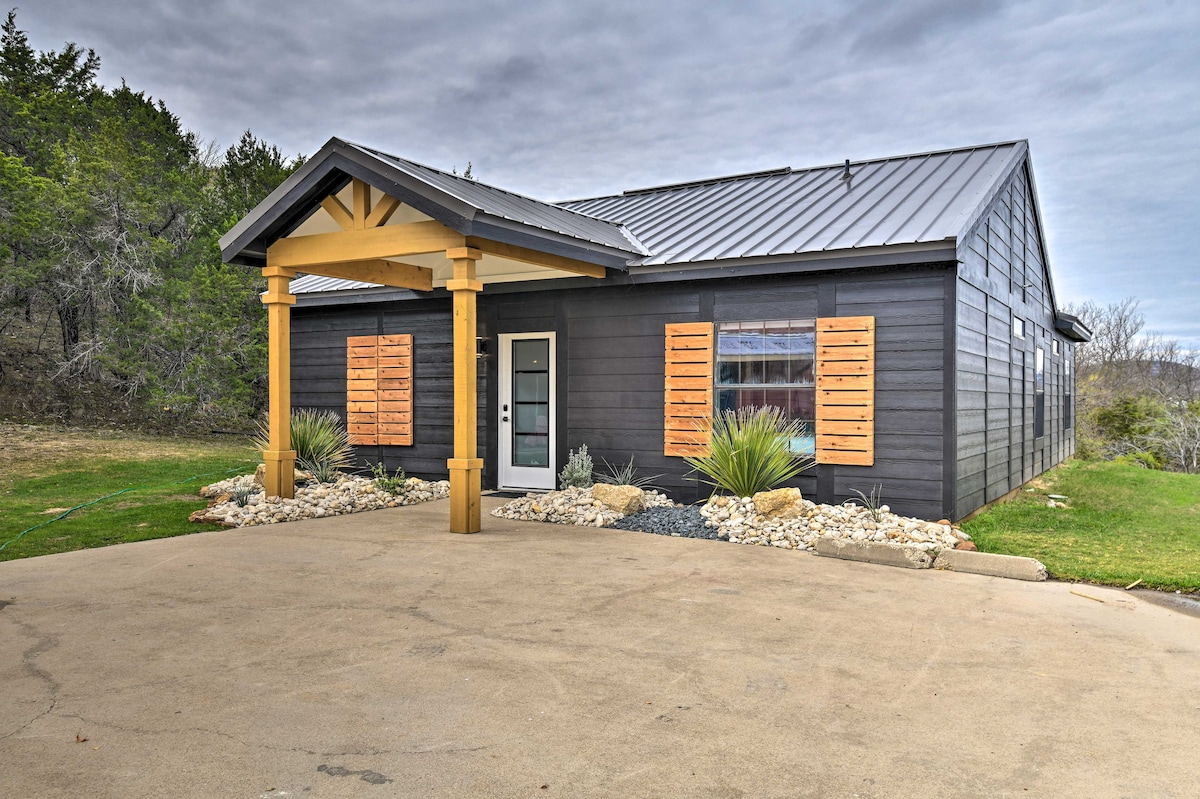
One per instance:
(883, 554)
(992, 565)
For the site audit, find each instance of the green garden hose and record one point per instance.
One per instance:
(69, 511)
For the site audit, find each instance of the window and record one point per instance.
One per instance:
(769, 363)
(1068, 390)
(1039, 393)
(1018, 327)
(1054, 347)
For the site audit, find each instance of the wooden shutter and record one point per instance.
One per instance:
(846, 390)
(689, 388)
(396, 390)
(362, 378)
(379, 389)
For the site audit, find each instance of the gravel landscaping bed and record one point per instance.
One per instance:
(577, 506)
(350, 494)
(785, 520)
(739, 521)
(683, 521)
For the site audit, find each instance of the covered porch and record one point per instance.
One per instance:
(355, 214)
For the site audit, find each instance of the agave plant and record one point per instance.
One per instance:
(321, 441)
(625, 475)
(750, 451)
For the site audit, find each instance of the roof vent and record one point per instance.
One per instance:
(846, 174)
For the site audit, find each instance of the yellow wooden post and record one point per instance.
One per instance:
(465, 467)
(280, 458)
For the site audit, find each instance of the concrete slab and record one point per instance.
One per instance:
(377, 655)
(991, 564)
(877, 552)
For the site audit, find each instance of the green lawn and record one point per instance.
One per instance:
(1123, 523)
(46, 472)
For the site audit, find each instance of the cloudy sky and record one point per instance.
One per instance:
(576, 98)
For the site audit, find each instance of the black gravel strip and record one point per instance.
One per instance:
(685, 522)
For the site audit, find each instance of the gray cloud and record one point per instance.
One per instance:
(573, 99)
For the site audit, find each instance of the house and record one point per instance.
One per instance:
(903, 306)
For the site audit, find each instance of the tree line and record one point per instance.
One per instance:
(110, 212)
(1138, 393)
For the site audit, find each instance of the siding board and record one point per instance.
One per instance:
(613, 372)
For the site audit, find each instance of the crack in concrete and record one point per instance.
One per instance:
(371, 752)
(42, 643)
(112, 725)
(32, 721)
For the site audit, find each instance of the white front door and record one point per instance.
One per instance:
(527, 411)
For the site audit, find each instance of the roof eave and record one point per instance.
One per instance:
(1071, 327)
(337, 162)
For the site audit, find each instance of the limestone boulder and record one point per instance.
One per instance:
(782, 503)
(622, 499)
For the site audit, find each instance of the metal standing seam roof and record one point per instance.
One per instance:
(912, 199)
(908, 199)
(516, 207)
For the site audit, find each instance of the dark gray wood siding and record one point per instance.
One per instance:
(319, 374)
(610, 347)
(1002, 276)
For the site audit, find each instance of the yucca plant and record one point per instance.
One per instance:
(319, 438)
(750, 451)
(625, 475)
(321, 471)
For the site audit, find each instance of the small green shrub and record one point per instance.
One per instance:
(749, 451)
(625, 475)
(319, 438)
(1146, 460)
(393, 484)
(578, 471)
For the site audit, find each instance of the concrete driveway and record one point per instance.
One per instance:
(376, 656)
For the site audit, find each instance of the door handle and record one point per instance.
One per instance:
(504, 418)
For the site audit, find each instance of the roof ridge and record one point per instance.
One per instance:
(492, 186)
(785, 171)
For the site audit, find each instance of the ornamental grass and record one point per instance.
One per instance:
(321, 442)
(750, 451)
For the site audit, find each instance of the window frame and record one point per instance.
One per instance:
(808, 441)
(1039, 392)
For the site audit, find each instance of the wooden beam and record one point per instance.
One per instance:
(465, 467)
(392, 241)
(361, 193)
(385, 273)
(333, 206)
(383, 211)
(527, 256)
(279, 458)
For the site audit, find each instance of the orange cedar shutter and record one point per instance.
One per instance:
(689, 388)
(362, 373)
(846, 390)
(379, 389)
(396, 390)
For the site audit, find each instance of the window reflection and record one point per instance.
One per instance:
(769, 363)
